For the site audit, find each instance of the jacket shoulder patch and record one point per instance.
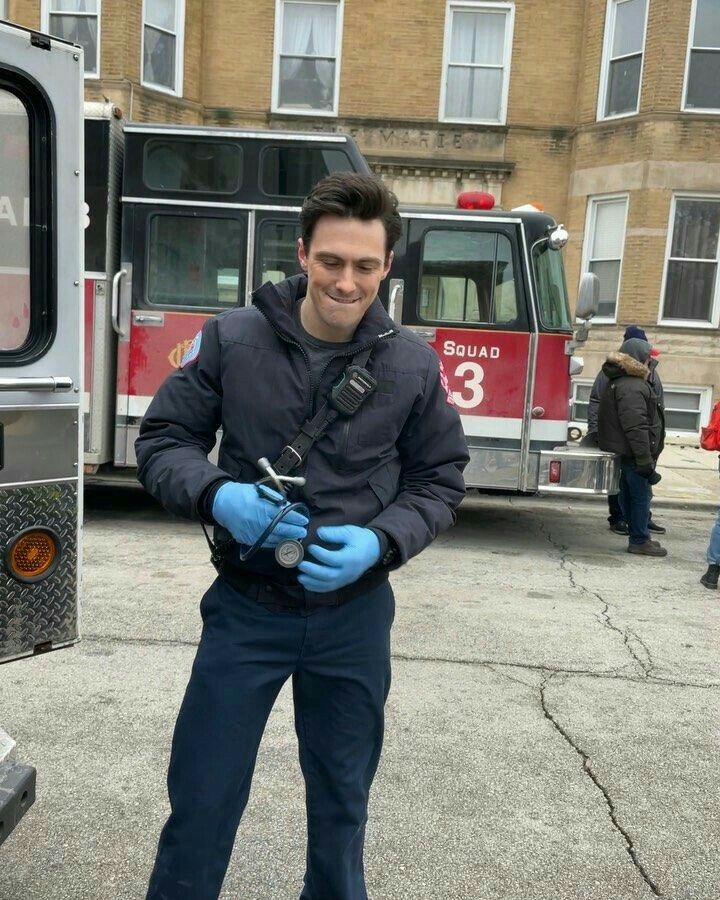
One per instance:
(192, 352)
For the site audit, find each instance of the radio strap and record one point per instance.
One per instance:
(346, 397)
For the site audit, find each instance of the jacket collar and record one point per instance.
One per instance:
(277, 303)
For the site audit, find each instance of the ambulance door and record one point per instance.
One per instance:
(464, 290)
(187, 263)
(41, 276)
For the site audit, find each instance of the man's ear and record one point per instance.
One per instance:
(388, 263)
(302, 255)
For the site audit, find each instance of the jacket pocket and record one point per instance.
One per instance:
(384, 483)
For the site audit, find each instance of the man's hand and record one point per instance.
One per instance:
(359, 549)
(645, 471)
(245, 514)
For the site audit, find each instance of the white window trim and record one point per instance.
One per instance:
(580, 382)
(590, 219)
(605, 65)
(714, 321)
(705, 405)
(179, 51)
(277, 46)
(713, 111)
(45, 27)
(478, 6)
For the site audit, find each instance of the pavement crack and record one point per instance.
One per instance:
(592, 775)
(645, 665)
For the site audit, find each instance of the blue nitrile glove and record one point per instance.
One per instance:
(245, 514)
(359, 550)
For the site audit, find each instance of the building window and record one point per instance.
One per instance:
(686, 408)
(580, 401)
(690, 295)
(306, 76)
(623, 52)
(162, 40)
(3, 9)
(77, 21)
(476, 62)
(702, 77)
(603, 249)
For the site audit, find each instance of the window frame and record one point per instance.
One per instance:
(594, 200)
(4, 10)
(704, 406)
(453, 6)
(187, 139)
(160, 211)
(179, 35)
(46, 12)
(277, 54)
(578, 382)
(711, 111)
(610, 18)
(714, 321)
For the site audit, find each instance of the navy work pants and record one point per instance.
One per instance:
(339, 661)
(635, 494)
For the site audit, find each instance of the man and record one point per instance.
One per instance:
(380, 485)
(631, 424)
(615, 517)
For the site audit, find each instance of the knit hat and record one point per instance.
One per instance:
(637, 348)
(632, 331)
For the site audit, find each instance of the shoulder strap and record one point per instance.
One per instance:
(313, 429)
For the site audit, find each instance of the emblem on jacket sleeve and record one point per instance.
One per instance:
(446, 384)
(185, 352)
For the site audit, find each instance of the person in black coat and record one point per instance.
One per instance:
(615, 516)
(379, 486)
(631, 423)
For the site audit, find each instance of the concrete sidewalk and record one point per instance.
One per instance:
(690, 477)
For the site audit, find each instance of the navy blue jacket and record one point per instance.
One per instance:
(395, 466)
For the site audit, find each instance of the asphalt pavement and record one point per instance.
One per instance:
(552, 729)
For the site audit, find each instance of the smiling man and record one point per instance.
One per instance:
(316, 376)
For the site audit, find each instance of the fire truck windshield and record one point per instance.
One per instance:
(550, 288)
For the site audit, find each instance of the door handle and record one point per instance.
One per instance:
(115, 302)
(145, 319)
(51, 384)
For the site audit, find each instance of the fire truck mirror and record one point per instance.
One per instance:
(588, 296)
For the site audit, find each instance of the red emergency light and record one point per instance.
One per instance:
(555, 471)
(475, 200)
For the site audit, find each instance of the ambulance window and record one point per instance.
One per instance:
(293, 171)
(15, 302)
(467, 276)
(551, 290)
(277, 250)
(173, 164)
(195, 261)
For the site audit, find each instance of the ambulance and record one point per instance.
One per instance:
(41, 387)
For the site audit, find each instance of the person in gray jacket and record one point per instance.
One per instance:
(615, 517)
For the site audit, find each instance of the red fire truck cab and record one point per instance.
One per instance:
(205, 215)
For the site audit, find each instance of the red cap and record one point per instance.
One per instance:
(654, 353)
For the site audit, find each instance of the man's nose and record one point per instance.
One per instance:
(346, 280)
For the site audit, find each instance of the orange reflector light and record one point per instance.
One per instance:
(555, 466)
(475, 200)
(33, 554)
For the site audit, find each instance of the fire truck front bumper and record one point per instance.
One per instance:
(577, 471)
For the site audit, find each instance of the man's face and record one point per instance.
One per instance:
(345, 264)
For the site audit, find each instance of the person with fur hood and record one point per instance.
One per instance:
(631, 423)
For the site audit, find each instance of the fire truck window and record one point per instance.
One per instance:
(277, 251)
(195, 262)
(551, 290)
(14, 229)
(292, 171)
(192, 166)
(467, 276)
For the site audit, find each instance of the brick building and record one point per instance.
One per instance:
(606, 112)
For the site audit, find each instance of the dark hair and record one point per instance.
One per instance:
(351, 196)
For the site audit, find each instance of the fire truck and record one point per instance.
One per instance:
(186, 221)
(41, 273)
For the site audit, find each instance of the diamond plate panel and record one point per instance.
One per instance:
(32, 614)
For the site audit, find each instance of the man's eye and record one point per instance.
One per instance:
(367, 270)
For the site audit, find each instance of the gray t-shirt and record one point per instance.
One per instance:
(319, 352)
